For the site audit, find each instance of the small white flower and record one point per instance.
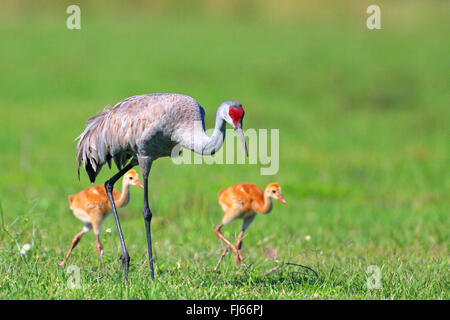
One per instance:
(108, 230)
(308, 237)
(25, 248)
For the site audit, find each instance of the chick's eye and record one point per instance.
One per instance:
(273, 191)
(130, 178)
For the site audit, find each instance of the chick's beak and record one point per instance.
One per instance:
(240, 133)
(282, 199)
(139, 184)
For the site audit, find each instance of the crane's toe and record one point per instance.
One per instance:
(239, 257)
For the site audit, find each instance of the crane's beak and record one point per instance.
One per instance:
(139, 184)
(282, 199)
(240, 133)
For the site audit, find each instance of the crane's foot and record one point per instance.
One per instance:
(124, 265)
(239, 258)
(224, 252)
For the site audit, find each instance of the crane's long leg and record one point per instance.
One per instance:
(75, 241)
(224, 252)
(145, 163)
(247, 222)
(99, 247)
(238, 248)
(124, 257)
(239, 245)
(221, 236)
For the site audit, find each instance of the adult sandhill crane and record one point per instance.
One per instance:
(92, 206)
(144, 128)
(244, 201)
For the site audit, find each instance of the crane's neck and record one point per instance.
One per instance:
(124, 197)
(213, 144)
(208, 145)
(267, 206)
(193, 136)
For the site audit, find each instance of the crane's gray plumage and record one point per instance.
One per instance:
(144, 128)
(148, 125)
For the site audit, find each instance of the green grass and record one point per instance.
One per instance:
(363, 118)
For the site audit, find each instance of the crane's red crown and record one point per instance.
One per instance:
(236, 113)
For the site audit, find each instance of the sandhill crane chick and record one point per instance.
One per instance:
(92, 206)
(244, 201)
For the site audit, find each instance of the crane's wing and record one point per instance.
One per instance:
(118, 133)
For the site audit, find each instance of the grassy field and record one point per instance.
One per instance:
(364, 148)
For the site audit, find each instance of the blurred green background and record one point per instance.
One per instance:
(364, 145)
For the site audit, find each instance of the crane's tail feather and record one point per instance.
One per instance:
(90, 148)
(92, 173)
(97, 145)
(108, 160)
